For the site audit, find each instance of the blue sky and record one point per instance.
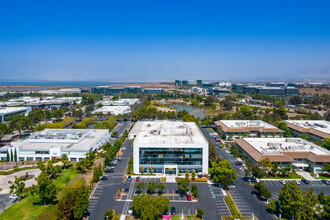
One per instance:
(164, 39)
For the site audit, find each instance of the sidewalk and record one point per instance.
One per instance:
(305, 175)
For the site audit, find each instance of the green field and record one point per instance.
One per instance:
(30, 208)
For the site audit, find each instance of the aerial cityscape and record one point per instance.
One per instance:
(215, 110)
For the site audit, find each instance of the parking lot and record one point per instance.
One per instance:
(274, 186)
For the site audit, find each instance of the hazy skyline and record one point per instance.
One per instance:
(164, 40)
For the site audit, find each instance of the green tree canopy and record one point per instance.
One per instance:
(223, 173)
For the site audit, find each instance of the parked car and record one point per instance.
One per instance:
(188, 197)
(13, 196)
(327, 182)
(105, 177)
(305, 181)
(241, 168)
(231, 186)
(282, 182)
(217, 140)
(137, 179)
(297, 182)
(129, 178)
(126, 190)
(200, 176)
(239, 163)
(227, 152)
(130, 210)
(173, 210)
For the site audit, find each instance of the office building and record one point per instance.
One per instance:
(206, 85)
(317, 130)
(217, 91)
(169, 147)
(271, 91)
(51, 144)
(6, 113)
(178, 82)
(233, 129)
(301, 154)
(277, 84)
(153, 90)
(113, 110)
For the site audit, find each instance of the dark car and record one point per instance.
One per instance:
(126, 190)
(327, 182)
(129, 178)
(238, 163)
(200, 176)
(305, 181)
(105, 177)
(173, 210)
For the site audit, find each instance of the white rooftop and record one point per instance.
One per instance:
(11, 110)
(278, 145)
(246, 123)
(114, 110)
(320, 125)
(67, 139)
(167, 132)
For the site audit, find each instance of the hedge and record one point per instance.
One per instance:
(232, 207)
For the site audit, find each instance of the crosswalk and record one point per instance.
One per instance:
(241, 204)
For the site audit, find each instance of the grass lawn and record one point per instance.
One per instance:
(293, 175)
(321, 176)
(212, 129)
(29, 208)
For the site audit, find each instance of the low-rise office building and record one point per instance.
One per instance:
(317, 130)
(51, 144)
(6, 112)
(217, 91)
(153, 90)
(233, 129)
(301, 154)
(113, 110)
(169, 147)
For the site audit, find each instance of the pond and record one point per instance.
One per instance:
(196, 112)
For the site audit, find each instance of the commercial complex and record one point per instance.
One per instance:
(317, 130)
(53, 143)
(217, 91)
(5, 112)
(188, 82)
(113, 110)
(107, 90)
(169, 147)
(232, 129)
(153, 90)
(267, 90)
(301, 154)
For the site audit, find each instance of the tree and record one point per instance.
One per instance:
(147, 207)
(140, 186)
(246, 111)
(200, 213)
(309, 203)
(11, 155)
(274, 206)
(151, 187)
(7, 156)
(283, 126)
(266, 165)
(291, 200)
(17, 186)
(142, 169)
(295, 100)
(193, 174)
(186, 174)
(109, 214)
(15, 155)
(151, 170)
(97, 173)
(183, 184)
(114, 134)
(19, 123)
(326, 143)
(161, 187)
(223, 173)
(194, 190)
(82, 201)
(46, 188)
(262, 190)
(65, 160)
(66, 206)
(214, 105)
(326, 167)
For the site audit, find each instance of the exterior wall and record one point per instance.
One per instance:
(296, 133)
(136, 157)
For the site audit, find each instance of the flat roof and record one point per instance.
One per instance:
(246, 126)
(11, 110)
(67, 139)
(283, 149)
(115, 110)
(168, 132)
(318, 127)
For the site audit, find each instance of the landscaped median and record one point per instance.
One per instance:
(232, 206)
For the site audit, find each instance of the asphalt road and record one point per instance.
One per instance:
(242, 195)
(120, 128)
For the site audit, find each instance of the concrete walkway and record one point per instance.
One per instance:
(305, 175)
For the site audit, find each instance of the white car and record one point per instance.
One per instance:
(297, 182)
(13, 196)
(231, 186)
(282, 182)
(130, 210)
(227, 152)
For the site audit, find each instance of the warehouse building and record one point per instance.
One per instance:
(113, 110)
(233, 129)
(317, 130)
(169, 147)
(7, 112)
(51, 144)
(301, 154)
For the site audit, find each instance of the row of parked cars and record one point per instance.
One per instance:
(327, 182)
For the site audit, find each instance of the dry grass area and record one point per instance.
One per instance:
(313, 91)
